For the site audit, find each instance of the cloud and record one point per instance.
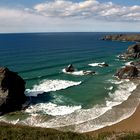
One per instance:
(25, 20)
(67, 15)
(88, 9)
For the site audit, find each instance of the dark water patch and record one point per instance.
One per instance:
(41, 98)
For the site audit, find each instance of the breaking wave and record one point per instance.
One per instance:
(83, 120)
(52, 109)
(50, 85)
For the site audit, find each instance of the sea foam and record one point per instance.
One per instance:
(96, 64)
(128, 63)
(50, 85)
(52, 109)
(80, 73)
(84, 120)
(121, 94)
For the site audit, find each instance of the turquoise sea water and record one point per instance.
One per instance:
(40, 58)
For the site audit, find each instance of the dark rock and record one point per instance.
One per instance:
(136, 64)
(70, 68)
(127, 72)
(133, 52)
(12, 88)
(103, 65)
(89, 72)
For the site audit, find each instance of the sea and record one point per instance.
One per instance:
(74, 101)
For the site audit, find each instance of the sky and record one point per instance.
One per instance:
(69, 16)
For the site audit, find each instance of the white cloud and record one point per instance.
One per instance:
(88, 8)
(66, 15)
(16, 20)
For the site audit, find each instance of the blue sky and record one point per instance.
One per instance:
(69, 15)
(32, 2)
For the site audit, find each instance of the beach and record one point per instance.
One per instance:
(131, 124)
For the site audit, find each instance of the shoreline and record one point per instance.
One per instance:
(130, 124)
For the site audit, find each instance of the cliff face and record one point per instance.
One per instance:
(123, 37)
(12, 88)
(133, 52)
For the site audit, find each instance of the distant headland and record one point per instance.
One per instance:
(122, 37)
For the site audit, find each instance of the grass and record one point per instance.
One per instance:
(17, 132)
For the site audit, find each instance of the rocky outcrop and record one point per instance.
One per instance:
(103, 65)
(89, 72)
(132, 52)
(70, 68)
(12, 88)
(122, 37)
(128, 72)
(136, 64)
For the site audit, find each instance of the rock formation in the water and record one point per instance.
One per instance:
(122, 37)
(89, 72)
(70, 68)
(12, 88)
(103, 65)
(128, 72)
(133, 52)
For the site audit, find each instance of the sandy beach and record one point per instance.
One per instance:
(131, 124)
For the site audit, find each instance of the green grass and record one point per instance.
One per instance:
(17, 132)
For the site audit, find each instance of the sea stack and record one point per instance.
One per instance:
(70, 68)
(12, 88)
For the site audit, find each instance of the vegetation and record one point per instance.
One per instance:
(16, 132)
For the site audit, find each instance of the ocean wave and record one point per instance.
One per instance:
(66, 115)
(52, 109)
(84, 120)
(77, 119)
(80, 73)
(121, 94)
(50, 85)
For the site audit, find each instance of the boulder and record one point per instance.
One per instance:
(127, 72)
(70, 68)
(133, 52)
(12, 88)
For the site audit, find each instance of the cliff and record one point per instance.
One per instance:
(12, 88)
